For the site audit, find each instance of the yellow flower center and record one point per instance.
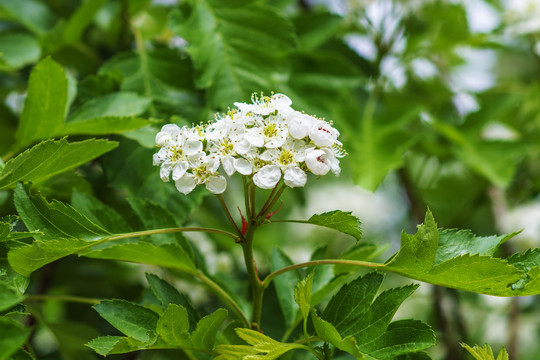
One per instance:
(270, 130)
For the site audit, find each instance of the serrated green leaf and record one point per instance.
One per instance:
(155, 216)
(353, 314)
(28, 258)
(328, 333)
(352, 300)
(401, 337)
(285, 284)
(377, 317)
(168, 256)
(417, 252)
(454, 242)
(204, 335)
(51, 157)
(55, 219)
(226, 64)
(173, 326)
(12, 337)
(302, 294)
(476, 273)
(131, 319)
(261, 344)
(167, 294)
(108, 345)
(45, 105)
(485, 352)
(99, 213)
(339, 220)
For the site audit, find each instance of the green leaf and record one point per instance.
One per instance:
(264, 344)
(32, 14)
(173, 326)
(12, 337)
(339, 220)
(204, 335)
(221, 41)
(19, 49)
(155, 216)
(168, 256)
(131, 319)
(380, 146)
(49, 158)
(28, 258)
(167, 294)
(401, 337)
(454, 242)
(99, 213)
(352, 300)
(45, 105)
(475, 273)
(302, 294)
(103, 125)
(119, 104)
(8, 297)
(22, 355)
(66, 231)
(164, 75)
(80, 19)
(417, 252)
(353, 313)
(285, 284)
(108, 345)
(328, 333)
(55, 219)
(495, 160)
(485, 352)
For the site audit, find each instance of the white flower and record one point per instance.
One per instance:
(320, 161)
(266, 105)
(267, 140)
(267, 177)
(270, 133)
(299, 124)
(291, 154)
(295, 177)
(323, 134)
(167, 133)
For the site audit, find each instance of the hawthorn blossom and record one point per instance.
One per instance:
(267, 141)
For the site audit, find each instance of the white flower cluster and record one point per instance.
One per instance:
(267, 140)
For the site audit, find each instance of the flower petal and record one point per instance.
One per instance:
(186, 184)
(267, 177)
(216, 184)
(295, 177)
(243, 166)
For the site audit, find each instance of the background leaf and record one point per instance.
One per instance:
(49, 158)
(131, 319)
(340, 221)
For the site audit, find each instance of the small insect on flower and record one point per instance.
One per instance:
(267, 140)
